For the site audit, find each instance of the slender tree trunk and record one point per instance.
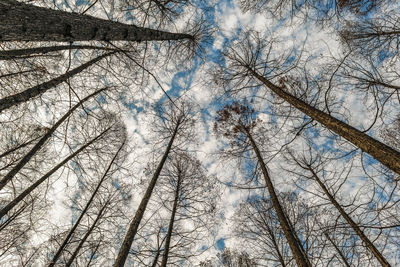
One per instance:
(41, 142)
(171, 222)
(18, 147)
(93, 253)
(37, 90)
(130, 235)
(22, 53)
(353, 225)
(273, 239)
(298, 254)
(155, 260)
(17, 73)
(27, 191)
(337, 250)
(75, 253)
(381, 152)
(23, 22)
(71, 232)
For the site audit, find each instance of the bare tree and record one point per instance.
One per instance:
(246, 62)
(237, 122)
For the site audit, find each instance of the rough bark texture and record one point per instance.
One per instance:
(130, 235)
(43, 140)
(83, 240)
(350, 221)
(22, 53)
(37, 90)
(27, 191)
(381, 152)
(171, 222)
(298, 254)
(23, 22)
(72, 230)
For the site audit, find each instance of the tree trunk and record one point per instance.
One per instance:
(37, 90)
(71, 232)
(73, 256)
(41, 142)
(130, 235)
(337, 250)
(22, 53)
(381, 152)
(298, 254)
(27, 191)
(353, 225)
(23, 22)
(18, 147)
(171, 222)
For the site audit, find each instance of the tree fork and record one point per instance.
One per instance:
(381, 152)
(24, 22)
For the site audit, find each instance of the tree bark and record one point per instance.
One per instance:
(73, 256)
(171, 222)
(41, 142)
(22, 53)
(24, 22)
(353, 225)
(37, 90)
(130, 235)
(381, 152)
(27, 191)
(300, 257)
(71, 232)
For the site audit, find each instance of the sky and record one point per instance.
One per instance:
(317, 48)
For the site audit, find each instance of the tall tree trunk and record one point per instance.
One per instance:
(37, 90)
(71, 232)
(353, 225)
(171, 222)
(83, 240)
(337, 250)
(130, 235)
(297, 251)
(18, 147)
(22, 53)
(381, 152)
(23, 22)
(41, 142)
(27, 191)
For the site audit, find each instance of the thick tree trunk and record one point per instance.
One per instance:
(71, 232)
(381, 152)
(171, 222)
(41, 142)
(37, 90)
(297, 251)
(130, 235)
(23, 22)
(337, 250)
(22, 53)
(83, 240)
(27, 191)
(350, 221)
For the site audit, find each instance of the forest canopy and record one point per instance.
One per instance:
(199, 133)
